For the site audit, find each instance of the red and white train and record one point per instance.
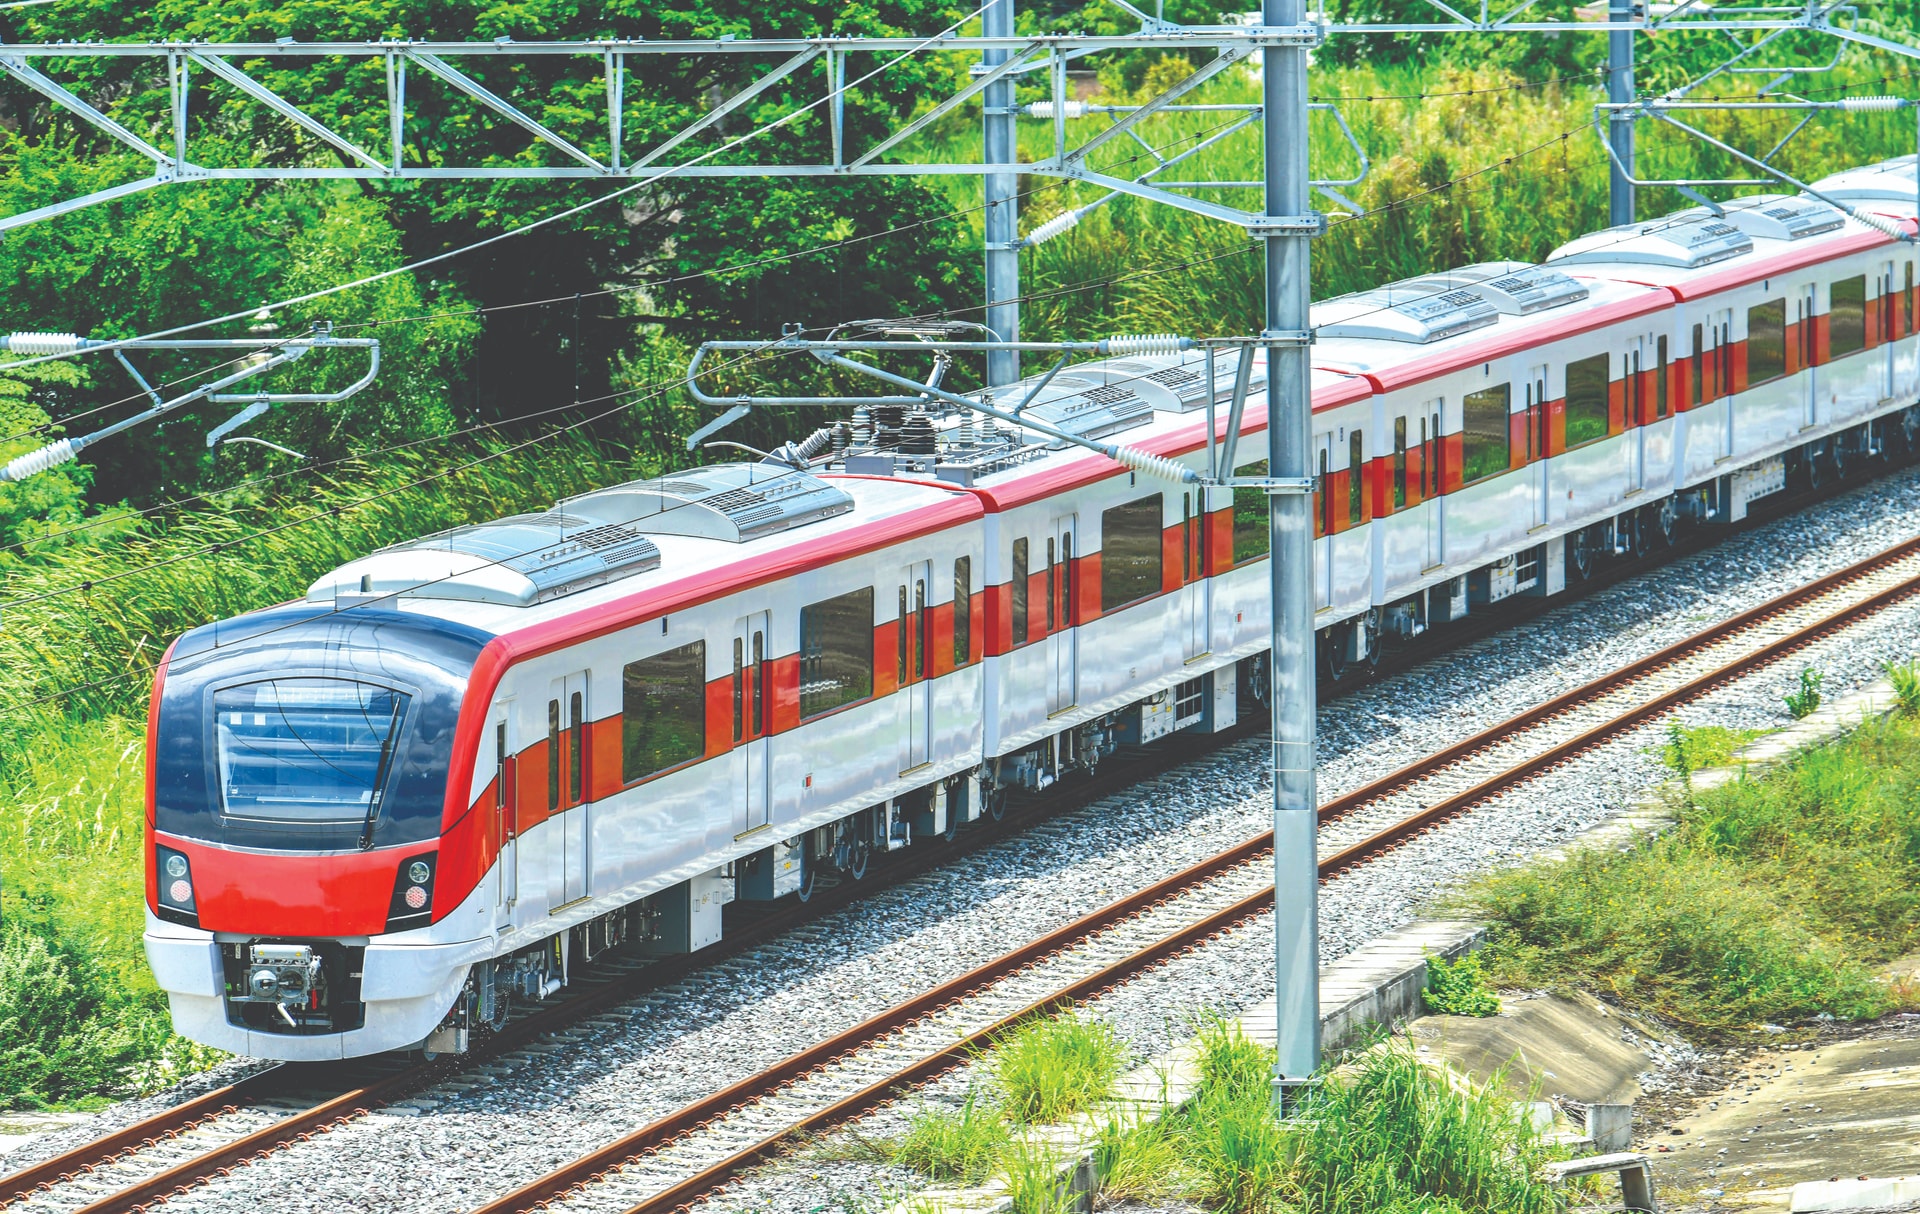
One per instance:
(464, 765)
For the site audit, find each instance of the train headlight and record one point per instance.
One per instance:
(175, 887)
(412, 904)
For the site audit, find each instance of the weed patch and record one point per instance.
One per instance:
(1459, 988)
(1048, 1070)
(1772, 900)
(963, 1145)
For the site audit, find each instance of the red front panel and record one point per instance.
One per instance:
(275, 895)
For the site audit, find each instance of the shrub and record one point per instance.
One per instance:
(1049, 1069)
(964, 1144)
(55, 1042)
(1460, 988)
(1802, 701)
(1905, 677)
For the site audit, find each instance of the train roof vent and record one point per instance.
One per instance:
(1417, 310)
(1783, 216)
(1091, 407)
(528, 558)
(732, 502)
(1888, 181)
(1514, 288)
(1684, 241)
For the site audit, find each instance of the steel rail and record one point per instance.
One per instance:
(170, 1123)
(601, 1161)
(363, 1098)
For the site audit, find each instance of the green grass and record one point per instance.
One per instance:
(1049, 1069)
(1773, 900)
(72, 769)
(1459, 987)
(1691, 748)
(964, 1144)
(1384, 1133)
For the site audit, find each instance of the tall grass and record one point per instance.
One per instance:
(72, 767)
(1773, 900)
(1049, 1069)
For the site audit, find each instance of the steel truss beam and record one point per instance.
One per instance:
(452, 63)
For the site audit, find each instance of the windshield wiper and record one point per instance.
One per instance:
(379, 782)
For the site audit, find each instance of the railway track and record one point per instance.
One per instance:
(693, 1152)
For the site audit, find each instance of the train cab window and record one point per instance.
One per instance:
(1660, 377)
(1250, 534)
(1586, 400)
(962, 610)
(1767, 339)
(1356, 479)
(1699, 364)
(1846, 322)
(836, 652)
(1399, 462)
(306, 751)
(1484, 437)
(663, 709)
(1130, 552)
(553, 755)
(1017, 591)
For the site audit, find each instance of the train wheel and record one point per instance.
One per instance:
(1369, 626)
(857, 855)
(1336, 647)
(809, 874)
(1812, 468)
(1583, 552)
(1839, 457)
(1907, 430)
(995, 804)
(1660, 524)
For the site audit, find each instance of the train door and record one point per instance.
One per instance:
(1720, 355)
(1062, 635)
(568, 781)
(1536, 432)
(1195, 588)
(1637, 413)
(1803, 348)
(506, 804)
(1889, 331)
(1432, 503)
(914, 654)
(752, 711)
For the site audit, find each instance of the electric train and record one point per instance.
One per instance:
(462, 766)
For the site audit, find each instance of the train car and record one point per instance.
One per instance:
(465, 765)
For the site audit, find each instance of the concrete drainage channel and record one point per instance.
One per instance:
(1380, 985)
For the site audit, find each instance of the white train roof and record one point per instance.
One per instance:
(1889, 182)
(1684, 241)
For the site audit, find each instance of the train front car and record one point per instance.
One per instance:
(296, 780)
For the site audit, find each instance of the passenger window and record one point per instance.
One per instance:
(1017, 591)
(1660, 378)
(739, 689)
(1130, 552)
(576, 748)
(1586, 400)
(1399, 462)
(663, 709)
(1846, 322)
(1250, 533)
(962, 611)
(500, 765)
(1767, 338)
(553, 755)
(1052, 623)
(1356, 479)
(1699, 364)
(1484, 439)
(836, 652)
(900, 642)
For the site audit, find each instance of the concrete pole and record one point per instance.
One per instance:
(1003, 213)
(1296, 884)
(1619, 123)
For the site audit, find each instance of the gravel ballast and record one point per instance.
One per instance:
(486, 1135)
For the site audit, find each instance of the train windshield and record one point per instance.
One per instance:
(306, 750)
